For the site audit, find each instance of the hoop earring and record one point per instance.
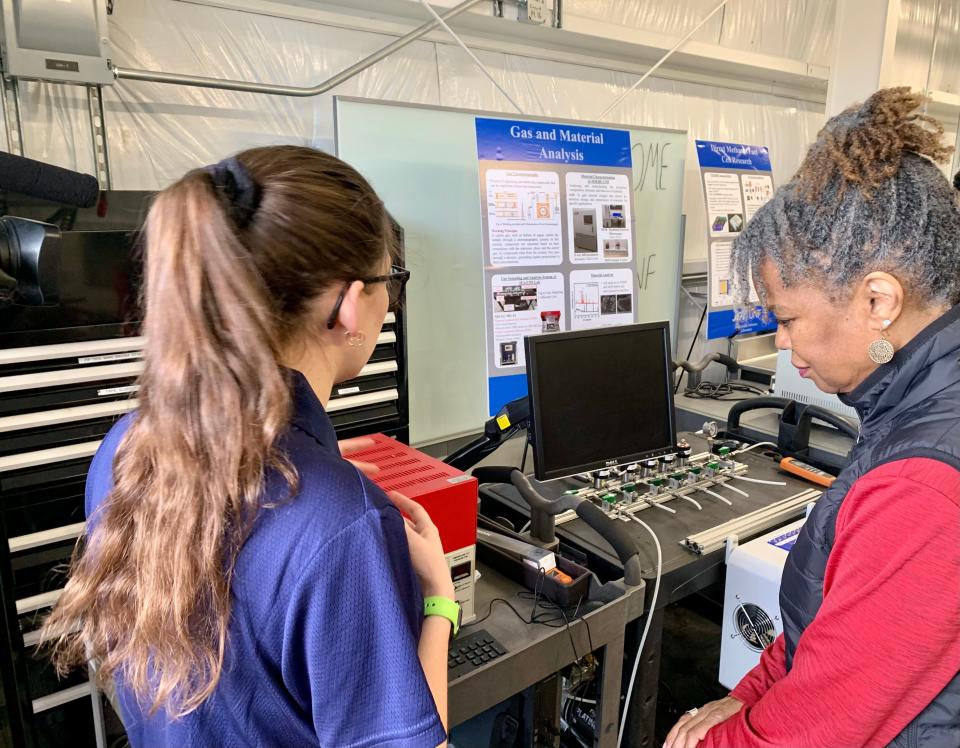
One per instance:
(355, 339)
(881, 350)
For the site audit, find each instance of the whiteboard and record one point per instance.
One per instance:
(423, 163)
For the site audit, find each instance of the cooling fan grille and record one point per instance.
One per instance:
(754, 625)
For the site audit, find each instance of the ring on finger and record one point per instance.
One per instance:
(692, 712)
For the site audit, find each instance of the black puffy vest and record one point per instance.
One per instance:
(908, 408)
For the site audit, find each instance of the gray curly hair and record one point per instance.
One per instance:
(868, 196)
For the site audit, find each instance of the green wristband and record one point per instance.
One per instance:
(446, 608)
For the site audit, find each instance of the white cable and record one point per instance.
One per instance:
(525, 528)
(476, 60)
(658, 505)
(646, 629)
(732, 488)
(757, 480)
(716, 495)
(662, 60)
(687, 498)
(754, 446)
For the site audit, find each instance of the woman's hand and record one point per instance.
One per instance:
(350, 446)
(691, 728)
(426, 552)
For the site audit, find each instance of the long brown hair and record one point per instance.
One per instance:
(149, 596)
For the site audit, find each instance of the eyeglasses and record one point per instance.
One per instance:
(396, 281)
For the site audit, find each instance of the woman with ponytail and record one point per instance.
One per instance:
(240, 582)
(859, 258)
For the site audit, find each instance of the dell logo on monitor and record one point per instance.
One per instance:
(610, 463)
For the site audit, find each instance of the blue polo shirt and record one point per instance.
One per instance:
(326, 618)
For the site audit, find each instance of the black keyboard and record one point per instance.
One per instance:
(472, 651)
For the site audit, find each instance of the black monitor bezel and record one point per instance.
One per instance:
(530, 345)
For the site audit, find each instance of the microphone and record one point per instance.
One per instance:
(47, 182)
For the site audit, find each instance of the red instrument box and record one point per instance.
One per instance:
(448, 495)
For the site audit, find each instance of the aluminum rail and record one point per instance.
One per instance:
(225, 84)
(762, 519)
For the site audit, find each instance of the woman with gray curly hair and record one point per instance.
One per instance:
(858, 256)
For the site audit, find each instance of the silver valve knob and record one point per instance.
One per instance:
(600, 479)
(649, 468)
(632, 470)
(684, 450)
(667, 462)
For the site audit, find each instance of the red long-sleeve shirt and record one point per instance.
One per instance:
(886, 639)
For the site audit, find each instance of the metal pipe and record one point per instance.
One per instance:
(10, 88)
(662, 60)
(278, 90)
(470, 54)
(933, 48)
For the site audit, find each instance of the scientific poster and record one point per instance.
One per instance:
(601, 298)
(598, 218)
(737, 180)
(558, 235)
(523, 304)
(523, 218)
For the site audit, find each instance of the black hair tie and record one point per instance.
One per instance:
(956, 181)
(237, 189)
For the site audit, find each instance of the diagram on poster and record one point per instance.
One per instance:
(601, 298)
(721, 294)
(523, 304)
(724, 205)
(524, 221)
(757, 189)
(598, 218)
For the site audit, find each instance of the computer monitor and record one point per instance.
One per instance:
(599, 398)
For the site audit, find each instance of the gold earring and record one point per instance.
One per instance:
(355, 339)
(881, 349)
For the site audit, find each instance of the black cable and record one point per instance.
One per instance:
(721, 390)
(523, 462)
(490, 610)
(693, 342)
(549, 622)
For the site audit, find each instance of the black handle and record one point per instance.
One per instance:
(780, 403)
(728, 361)
(837, 421)
(694, 371)
(615, 534)
(493, 474)
(754, 403)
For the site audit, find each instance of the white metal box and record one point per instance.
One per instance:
(56, 40)
(751, 601)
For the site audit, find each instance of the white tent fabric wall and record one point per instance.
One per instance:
(55, 121)
(920, 20)
(156, 132)
(159, 131)
(799, 29)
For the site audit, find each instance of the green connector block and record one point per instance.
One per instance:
(678, 476)
(657, 482)
(695, 471)
(610, 498)
(630, 487)
(713, 465)
(571, 492)
(723, 451)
